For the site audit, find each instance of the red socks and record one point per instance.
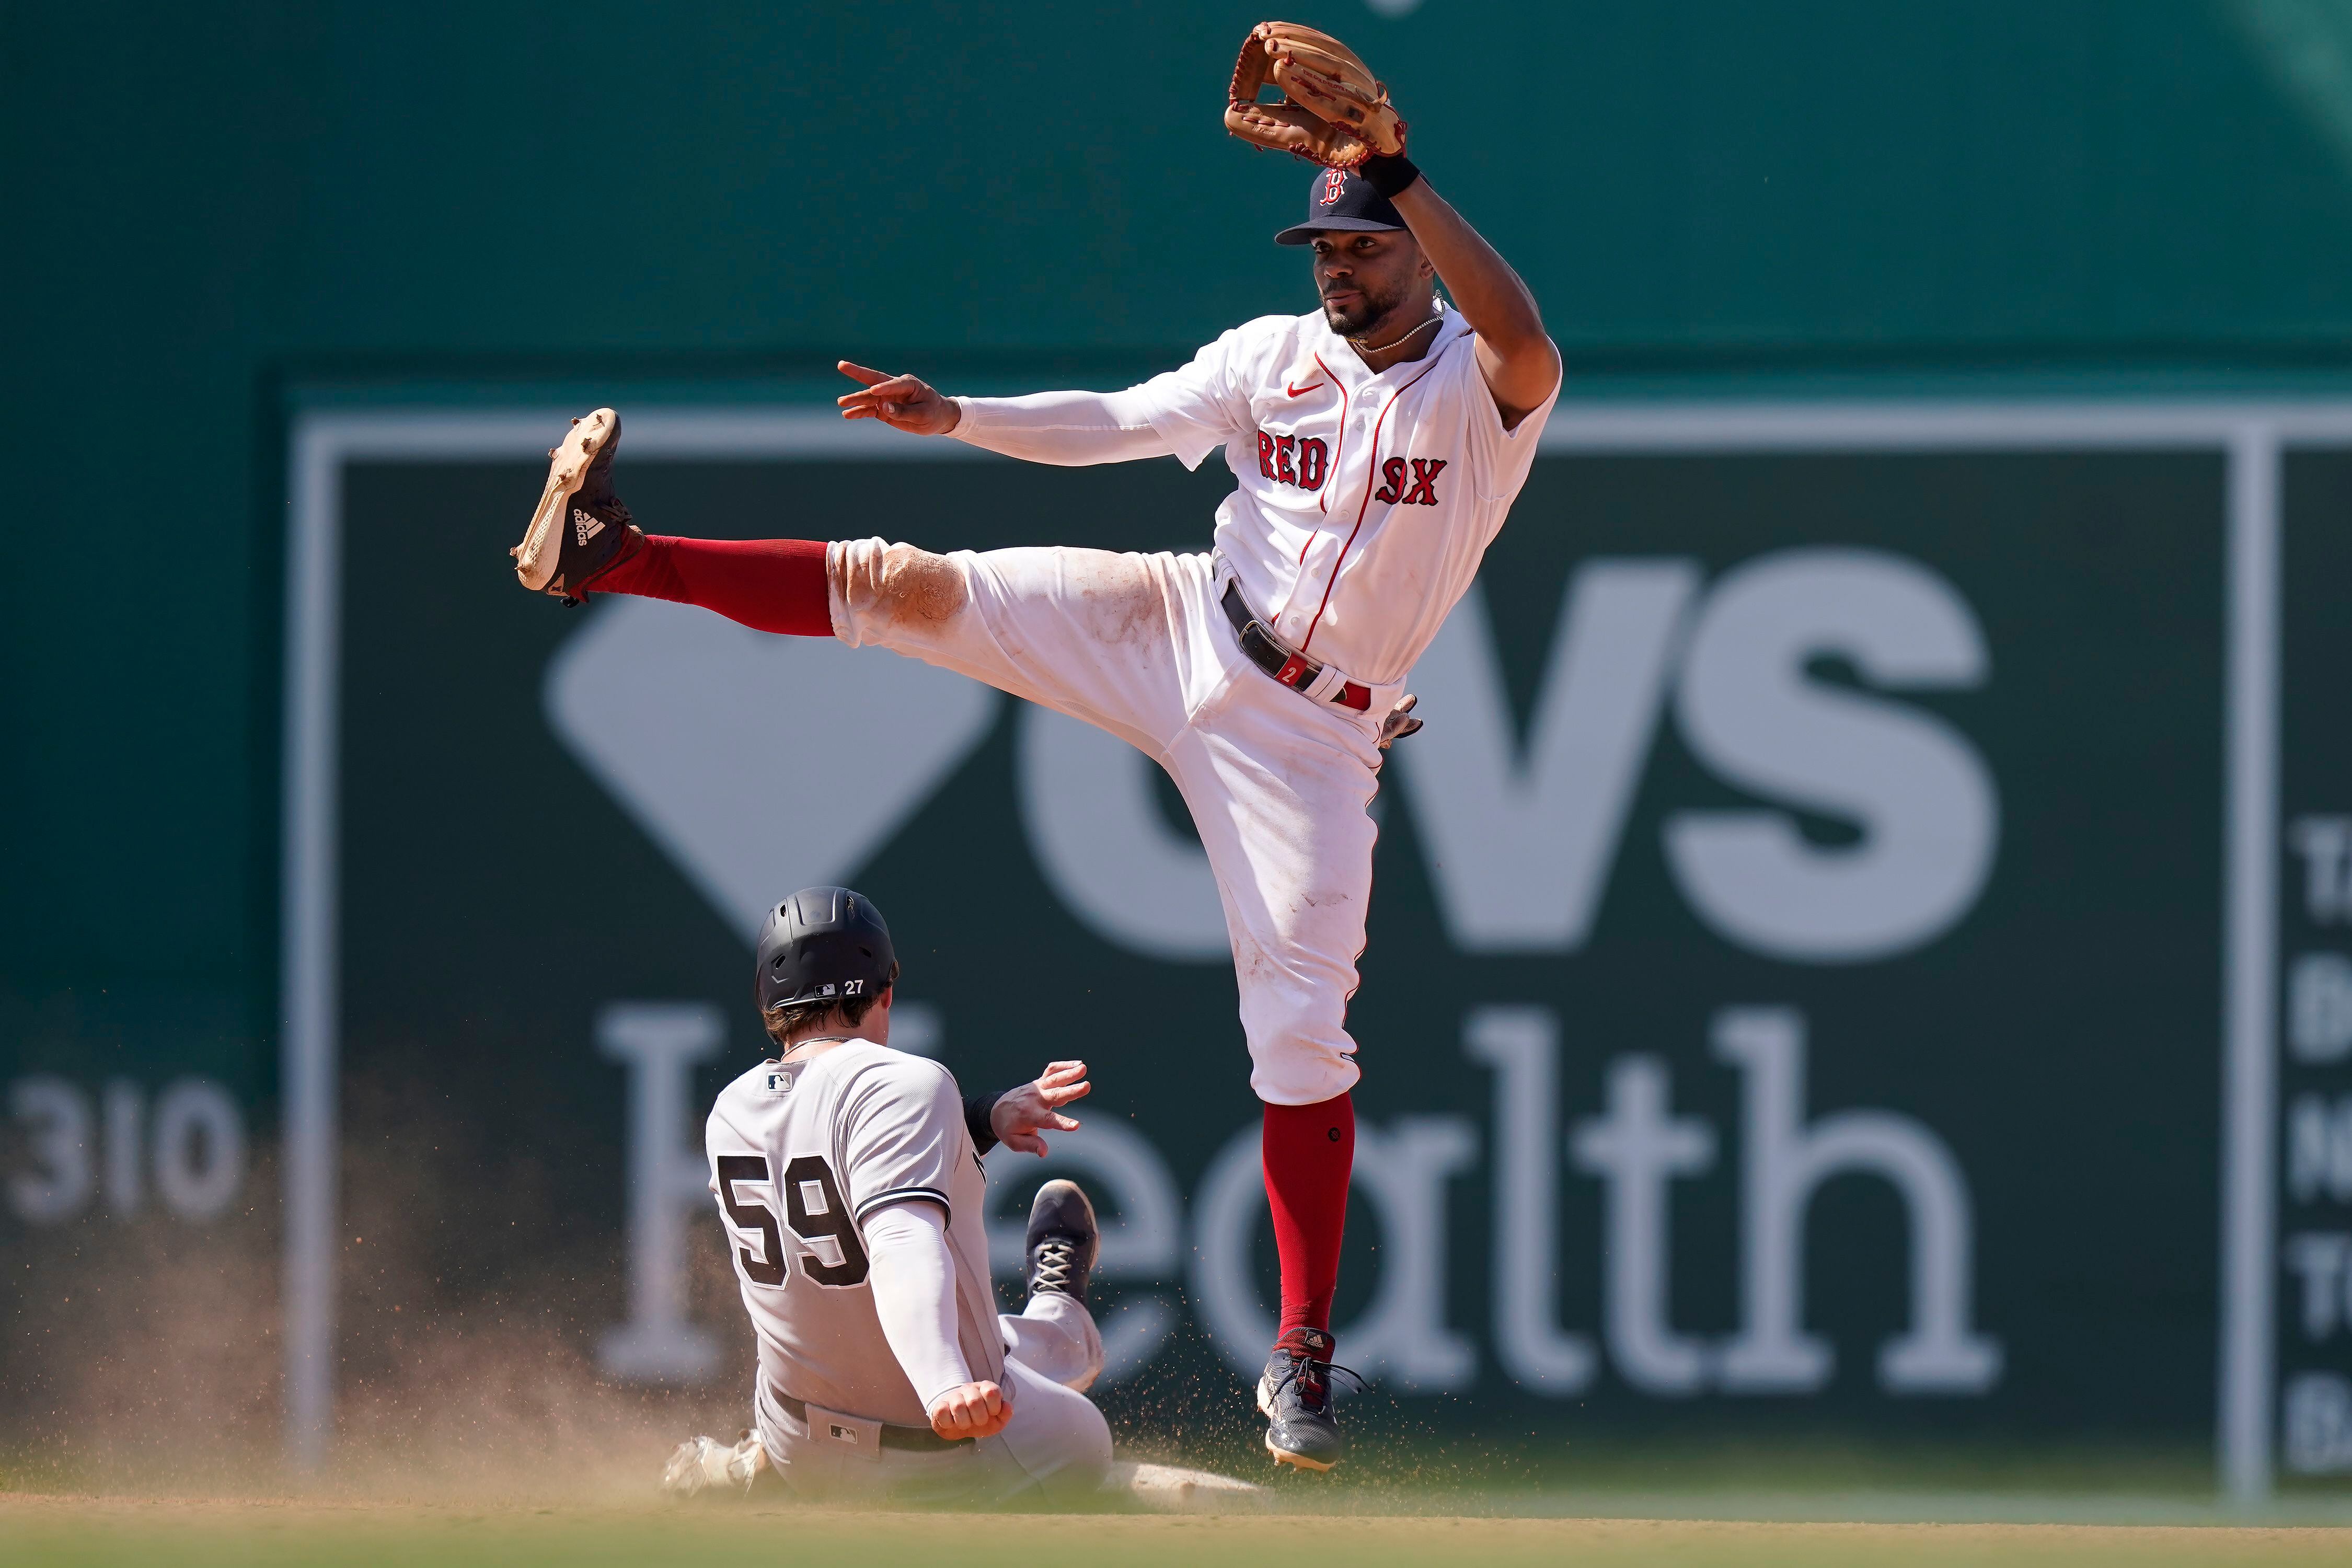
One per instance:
(767, 585)
(1309, 1151)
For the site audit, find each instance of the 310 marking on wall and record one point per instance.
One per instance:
(186, 1147)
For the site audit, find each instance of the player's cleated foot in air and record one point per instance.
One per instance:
(1063, 1241)
(702, 1463)
(580, 529)
(1296, 1398)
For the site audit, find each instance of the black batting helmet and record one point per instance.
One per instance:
(823, 944)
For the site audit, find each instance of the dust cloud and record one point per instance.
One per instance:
(145, 1356)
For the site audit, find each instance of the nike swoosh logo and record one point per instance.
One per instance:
(1302, 391)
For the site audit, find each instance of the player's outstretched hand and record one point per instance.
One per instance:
(901, 402)
(1021, 1113)
(974, 1410)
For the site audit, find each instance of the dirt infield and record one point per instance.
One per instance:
(200, 1534)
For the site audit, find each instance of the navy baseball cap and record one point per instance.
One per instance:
(1342, 199)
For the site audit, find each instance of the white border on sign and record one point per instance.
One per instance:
(2250, 435)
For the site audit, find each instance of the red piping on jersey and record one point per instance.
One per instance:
(1371, 474)
(1339, 447)
(1339, 450)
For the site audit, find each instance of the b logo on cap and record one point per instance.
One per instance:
(1335, 184)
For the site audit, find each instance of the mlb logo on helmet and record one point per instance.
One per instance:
(1334, 186)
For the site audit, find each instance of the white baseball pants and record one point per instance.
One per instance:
(1280, 785)
(1056, 1441)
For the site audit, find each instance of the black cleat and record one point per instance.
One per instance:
(1062, 1241)
(581, 529)
(1295, 1396)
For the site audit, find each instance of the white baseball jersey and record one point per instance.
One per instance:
(1364, 502)
(801, 1155)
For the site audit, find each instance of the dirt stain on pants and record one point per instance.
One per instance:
(897, 585)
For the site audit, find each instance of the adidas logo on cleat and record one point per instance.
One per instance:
(584, 527)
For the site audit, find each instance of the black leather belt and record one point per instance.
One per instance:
(913, 1439)
(1286, 664)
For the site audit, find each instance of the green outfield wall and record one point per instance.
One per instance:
(1855, 951)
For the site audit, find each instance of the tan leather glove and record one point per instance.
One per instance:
(1333, 111)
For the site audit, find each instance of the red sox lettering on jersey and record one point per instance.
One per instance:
(1365, 500)
(1305, 461)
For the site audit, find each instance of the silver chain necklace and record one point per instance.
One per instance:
(793, 1050)
(1360, 347)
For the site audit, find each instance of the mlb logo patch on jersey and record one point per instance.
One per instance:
(779, 1082)
(861, 1437)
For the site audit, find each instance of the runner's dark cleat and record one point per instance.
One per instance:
(1062, 1241)
(581, 529)
(1295, 1396)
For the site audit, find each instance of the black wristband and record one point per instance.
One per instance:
(1389, 175)
(977, 1110)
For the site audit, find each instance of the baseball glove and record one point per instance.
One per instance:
(1332, 112)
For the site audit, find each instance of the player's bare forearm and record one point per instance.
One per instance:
(1492, 300)
(1518, 361)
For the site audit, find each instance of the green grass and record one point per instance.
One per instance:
(102, 1533)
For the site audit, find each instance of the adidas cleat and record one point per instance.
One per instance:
(580, 529)
(1295, 1397)
(1063, 1241)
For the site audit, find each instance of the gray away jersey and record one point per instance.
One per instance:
(801, 1155)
